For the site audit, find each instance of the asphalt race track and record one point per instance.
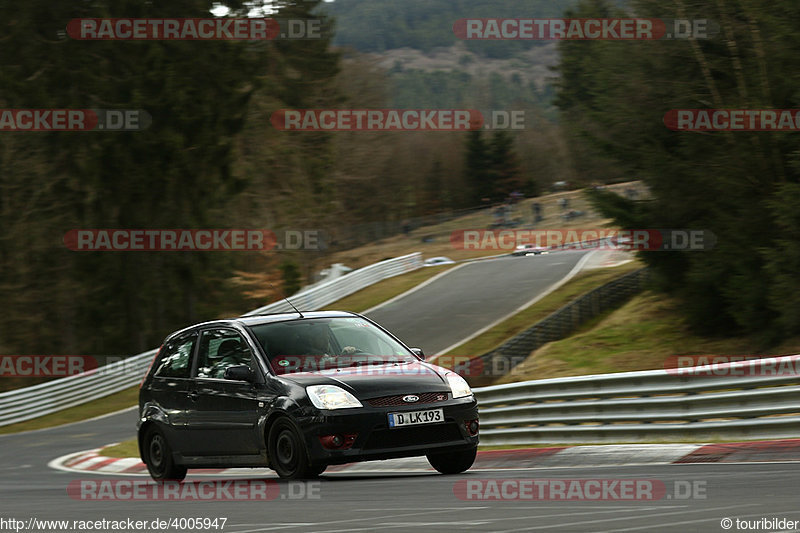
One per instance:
(473, 296)
(404, 502)
(434, 317)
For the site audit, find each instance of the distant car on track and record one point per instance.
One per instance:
(298, 392)
(530, 249)
(436, 261)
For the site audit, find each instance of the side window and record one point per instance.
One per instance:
(219, 349)
(177, 359)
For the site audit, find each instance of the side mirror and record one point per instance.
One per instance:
(238, 373)
(419, 352)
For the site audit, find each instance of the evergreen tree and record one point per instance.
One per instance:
(175, 174)
(435, 199)
(740, 186)
(290, 272)
(504, 167)
(477, 173)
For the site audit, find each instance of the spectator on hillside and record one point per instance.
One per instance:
(536, 207)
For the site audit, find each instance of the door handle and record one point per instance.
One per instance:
(193, 396)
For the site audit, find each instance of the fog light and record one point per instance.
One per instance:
(338, 442)
(472, 427)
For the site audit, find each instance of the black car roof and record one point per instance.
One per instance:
(257, 320)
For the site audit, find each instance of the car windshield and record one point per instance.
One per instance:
(311, 345)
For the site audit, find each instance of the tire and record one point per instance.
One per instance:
(453, 462)
(287, 451)
(316, 470)
(158, 457)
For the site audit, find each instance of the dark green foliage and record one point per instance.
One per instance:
(741, 186)
(290, 273)
(176, 174)
(476, 168)
(491, 167)
(504, 171)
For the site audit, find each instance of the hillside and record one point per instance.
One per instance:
(381, 25)
(427, 66)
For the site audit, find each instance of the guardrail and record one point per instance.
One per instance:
(336, 289)
(563, 321)
(745, 399)
(46, 398)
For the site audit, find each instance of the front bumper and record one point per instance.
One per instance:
(375, 440)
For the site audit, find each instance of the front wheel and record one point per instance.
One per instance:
(158, 457)
(316, 470)
(453, 462)
(287, 451)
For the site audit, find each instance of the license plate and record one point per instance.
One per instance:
(414, 418)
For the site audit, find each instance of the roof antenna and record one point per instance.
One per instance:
(285, 298)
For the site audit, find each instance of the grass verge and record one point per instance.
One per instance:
(128, 448)
(580, 284)
(109, 404)
(640, 335)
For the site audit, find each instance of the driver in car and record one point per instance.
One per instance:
(318, 343)
(232, 355)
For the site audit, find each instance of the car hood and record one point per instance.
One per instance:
(374, 381)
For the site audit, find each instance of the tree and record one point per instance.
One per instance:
(435, 197)
(290, 272)
(476, 168)
(175, 174)
(504, 166)
(740, 186)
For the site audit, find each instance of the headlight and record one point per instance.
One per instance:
(458, 385)
(331, 397)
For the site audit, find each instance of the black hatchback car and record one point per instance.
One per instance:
(298, 392)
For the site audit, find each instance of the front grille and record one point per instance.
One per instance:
(399, 437)
(394, 401)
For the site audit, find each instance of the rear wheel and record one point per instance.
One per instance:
(453, 462)
(287, 451)
(158, 457)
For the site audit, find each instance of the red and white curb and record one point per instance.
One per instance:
(91, 462)
(783, 450)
